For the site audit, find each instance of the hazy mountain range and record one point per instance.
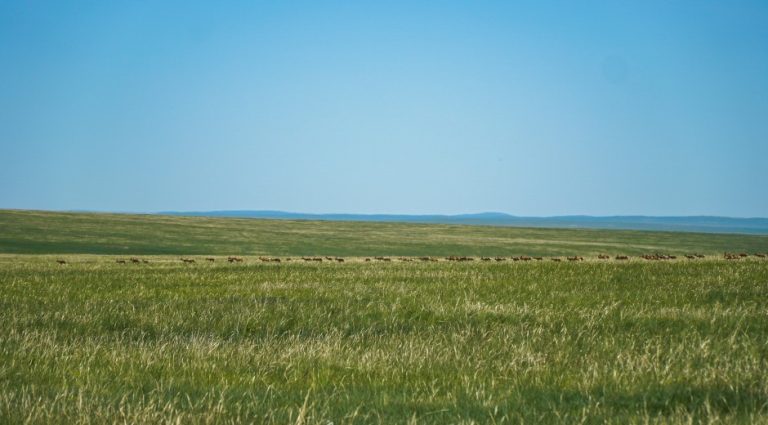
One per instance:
(710, 224)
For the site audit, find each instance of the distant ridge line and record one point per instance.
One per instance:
(708, 224)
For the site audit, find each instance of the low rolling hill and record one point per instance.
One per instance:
(42, 232)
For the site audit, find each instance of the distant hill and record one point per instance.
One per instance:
(708, 224)
(49, 232)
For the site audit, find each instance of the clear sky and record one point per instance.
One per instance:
(530, 108)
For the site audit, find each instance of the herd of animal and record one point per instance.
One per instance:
(649, 257)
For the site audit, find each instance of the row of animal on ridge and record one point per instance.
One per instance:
(652, 257)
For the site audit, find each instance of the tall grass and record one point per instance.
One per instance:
(638, 342)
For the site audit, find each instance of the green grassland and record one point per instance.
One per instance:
(35, 232)
(538, 342)
(93, 341)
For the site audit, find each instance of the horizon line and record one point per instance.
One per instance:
(500, 213)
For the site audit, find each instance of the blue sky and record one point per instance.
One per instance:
(530, 108)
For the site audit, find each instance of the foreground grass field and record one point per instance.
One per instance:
(38, 232)
(98, 342)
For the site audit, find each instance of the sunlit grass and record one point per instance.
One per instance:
(39, 232)
(98, 342)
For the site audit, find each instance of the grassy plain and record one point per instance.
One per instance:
(37, 232)
(541, 342)
(93, 341)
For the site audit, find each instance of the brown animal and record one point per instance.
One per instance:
(210, 259)
(557, 260)
(187, 260)
(120, 261)
(62, 262)
(135, 260)
(604, 257)
(622, 257)
(145, 261)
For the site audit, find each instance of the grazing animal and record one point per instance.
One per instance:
(135, 260)
(145, 261)
(622, 257)
(760, 255)
(557, 260)
(187, 260)
(210, 259)
(367, 259)
(339, 260)
(120, 261)
(657, 257)
(604, 257)
(62, 262)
